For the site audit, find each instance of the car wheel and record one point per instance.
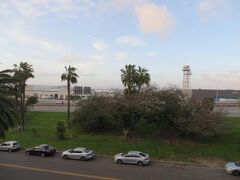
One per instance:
(236, 173)
(119, 161)
(140, 163)
(82, 158)
(9, 150)
(65, 157)
(43, 154)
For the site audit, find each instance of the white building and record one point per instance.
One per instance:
(56, 92)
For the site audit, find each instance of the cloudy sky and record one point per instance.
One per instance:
(99, 37)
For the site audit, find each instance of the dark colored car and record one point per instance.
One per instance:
(41, 150)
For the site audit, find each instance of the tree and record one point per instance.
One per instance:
(143, 77)
(127, 113)
(60, 130)
(128, 77)
(22, 73)
(71, 77)
(133, 79)
(94, 114)
(31, 101)
(7, 109)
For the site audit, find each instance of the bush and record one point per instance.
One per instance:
(166, 108)
(94, 115)
(60, 130)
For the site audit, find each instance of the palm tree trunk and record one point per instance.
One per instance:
(68, 110)
(23, 108)
(139, 88)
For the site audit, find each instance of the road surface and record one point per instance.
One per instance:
(18, 166)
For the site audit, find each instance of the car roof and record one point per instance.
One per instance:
(80, 149)
(10, 142)
(134, 152)
(42, 146)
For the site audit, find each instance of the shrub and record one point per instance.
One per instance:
(94, 115)
(60, 130)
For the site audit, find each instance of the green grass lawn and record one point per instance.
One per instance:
(224, 147)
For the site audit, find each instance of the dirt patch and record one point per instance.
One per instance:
(211, 162)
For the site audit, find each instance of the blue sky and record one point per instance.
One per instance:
(99, 37)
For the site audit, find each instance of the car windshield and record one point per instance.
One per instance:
(86, 150)
(237, 164)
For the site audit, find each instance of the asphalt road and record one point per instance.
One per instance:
(230, 111)
(18, 166)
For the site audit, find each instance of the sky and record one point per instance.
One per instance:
(99, 37)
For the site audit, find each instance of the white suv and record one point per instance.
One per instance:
(10, 146)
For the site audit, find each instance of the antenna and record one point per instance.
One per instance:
(186, 86)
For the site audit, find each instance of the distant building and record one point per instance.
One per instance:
(56, 92)
(217, 95)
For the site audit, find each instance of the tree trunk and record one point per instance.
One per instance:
(125, 133)
(17, 105)
(68, 110)
(23, 109)
(139, 88)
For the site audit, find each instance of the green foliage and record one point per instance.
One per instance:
(22, 73)
(133, 79)
(164, 108)
(7, 109)
(60, 130)
(31, 101)
(94, 115)
(71, 77)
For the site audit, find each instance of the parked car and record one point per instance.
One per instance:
(78, 153)
(233, 168)
(41, 150)
(10, 146)
(132, 157)
(59, 103)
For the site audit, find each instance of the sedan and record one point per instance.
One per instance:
(41, 150)
(78, 153)
(233, 168)
(132, 157)
(10, 146)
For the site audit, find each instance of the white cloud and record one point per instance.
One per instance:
(130, 40)
(121, 56)
(36, 41)
(38, 8)
(152, 53)
(155, 19)
(212, 8)
(120, 4)
(100, 45)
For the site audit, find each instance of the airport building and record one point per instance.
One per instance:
(57, 92)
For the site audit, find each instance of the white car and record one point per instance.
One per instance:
(10, 146)
(233, 168)
(132, 157)
(78, 153)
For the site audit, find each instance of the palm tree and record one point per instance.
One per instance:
(143, 77)
(22, 73)
(7, 109)
(71, 77)
(128, 78)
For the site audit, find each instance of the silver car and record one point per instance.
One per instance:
(132, 157)
(233, 168)
(10, 146)
(78, 153)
